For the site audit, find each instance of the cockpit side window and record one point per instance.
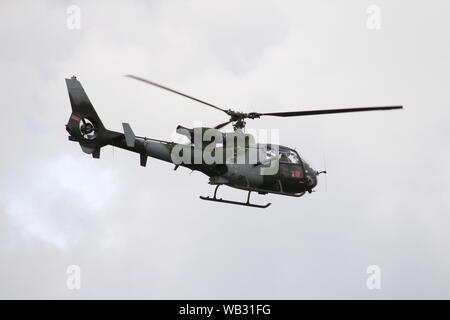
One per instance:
(289, 156)
(284, 154)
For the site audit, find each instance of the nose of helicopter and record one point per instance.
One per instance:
(311, 175)
(312, 180)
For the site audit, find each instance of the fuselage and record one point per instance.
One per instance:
(278, 169)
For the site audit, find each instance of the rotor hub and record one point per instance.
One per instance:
(87, 128)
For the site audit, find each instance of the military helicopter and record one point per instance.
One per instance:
(227, 158)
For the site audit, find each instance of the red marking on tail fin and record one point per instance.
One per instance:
(74, 117)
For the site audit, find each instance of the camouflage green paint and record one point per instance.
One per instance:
(241, 176)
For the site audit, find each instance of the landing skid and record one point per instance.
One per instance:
(247, 204)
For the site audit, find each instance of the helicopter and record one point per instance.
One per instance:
(233, 158)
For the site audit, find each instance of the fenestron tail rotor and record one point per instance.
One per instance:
(87, 129)
(237, 118)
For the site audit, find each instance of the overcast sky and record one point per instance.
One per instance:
(143, 232)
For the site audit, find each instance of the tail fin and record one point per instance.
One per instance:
(84, 123)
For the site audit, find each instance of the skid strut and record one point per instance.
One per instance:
(248, 204)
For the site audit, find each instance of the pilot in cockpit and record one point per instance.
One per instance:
(284, 158)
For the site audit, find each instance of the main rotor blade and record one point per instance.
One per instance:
(326, 111)
(222, 125)
(174, 91)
